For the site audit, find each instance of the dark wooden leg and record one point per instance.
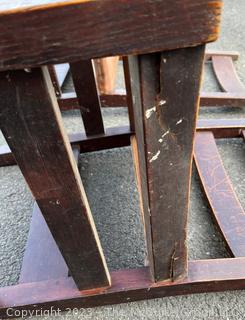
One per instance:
(87, 94)
(165, 88)
(31, 123)
(129, 92)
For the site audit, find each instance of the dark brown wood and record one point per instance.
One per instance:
(220, 99)
(128, 285)
(226, 74)
(167, 25)
(115, 137)
(31, 123)
(139, 155)
(42, 258)
(69, 101)
(55, 81)
(226, 208)
(129, 94)
(58, 74)
(167, 90)
(88, 99)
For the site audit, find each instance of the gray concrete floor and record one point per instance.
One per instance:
(109, 181)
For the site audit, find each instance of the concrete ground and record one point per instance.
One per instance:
(109, 181)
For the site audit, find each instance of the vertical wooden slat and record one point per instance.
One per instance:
(31, 123)
(87, 94)
(129, 92)
(165, 87)
(140, 166)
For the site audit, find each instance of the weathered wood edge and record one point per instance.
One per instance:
(120, 24)
(127, 286)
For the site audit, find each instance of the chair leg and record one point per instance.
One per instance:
(86, 88)
(31, 123)
(166, 87)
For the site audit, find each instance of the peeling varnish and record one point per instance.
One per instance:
(149, 112)
(155, 157)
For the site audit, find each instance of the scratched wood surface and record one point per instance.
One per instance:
(166, 90)
(226, 208)
(167, 24)
(128, 285)
(31, 123)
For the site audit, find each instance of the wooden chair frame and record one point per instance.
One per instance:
(160, 119)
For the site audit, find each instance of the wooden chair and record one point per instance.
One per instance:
(164, 42)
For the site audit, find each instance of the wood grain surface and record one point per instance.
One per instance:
(165, 89)
(32, 126)
(68, 31)
(127, 285)
(226, 208)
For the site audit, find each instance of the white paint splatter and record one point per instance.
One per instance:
(166, 133)
(179, 122)
(164, 60)
(162, 102)
(171, 163)
(149, 112)
(160, 140)
(154, 158)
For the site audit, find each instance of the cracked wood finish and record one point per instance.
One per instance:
(86, 89)
(127, 285)
(226, 208)
(31, 123)
(165, 91)
(166, 25)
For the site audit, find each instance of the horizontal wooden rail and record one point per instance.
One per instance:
(69, 101)
(127, 285)
(117, 137)
(167, 25)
